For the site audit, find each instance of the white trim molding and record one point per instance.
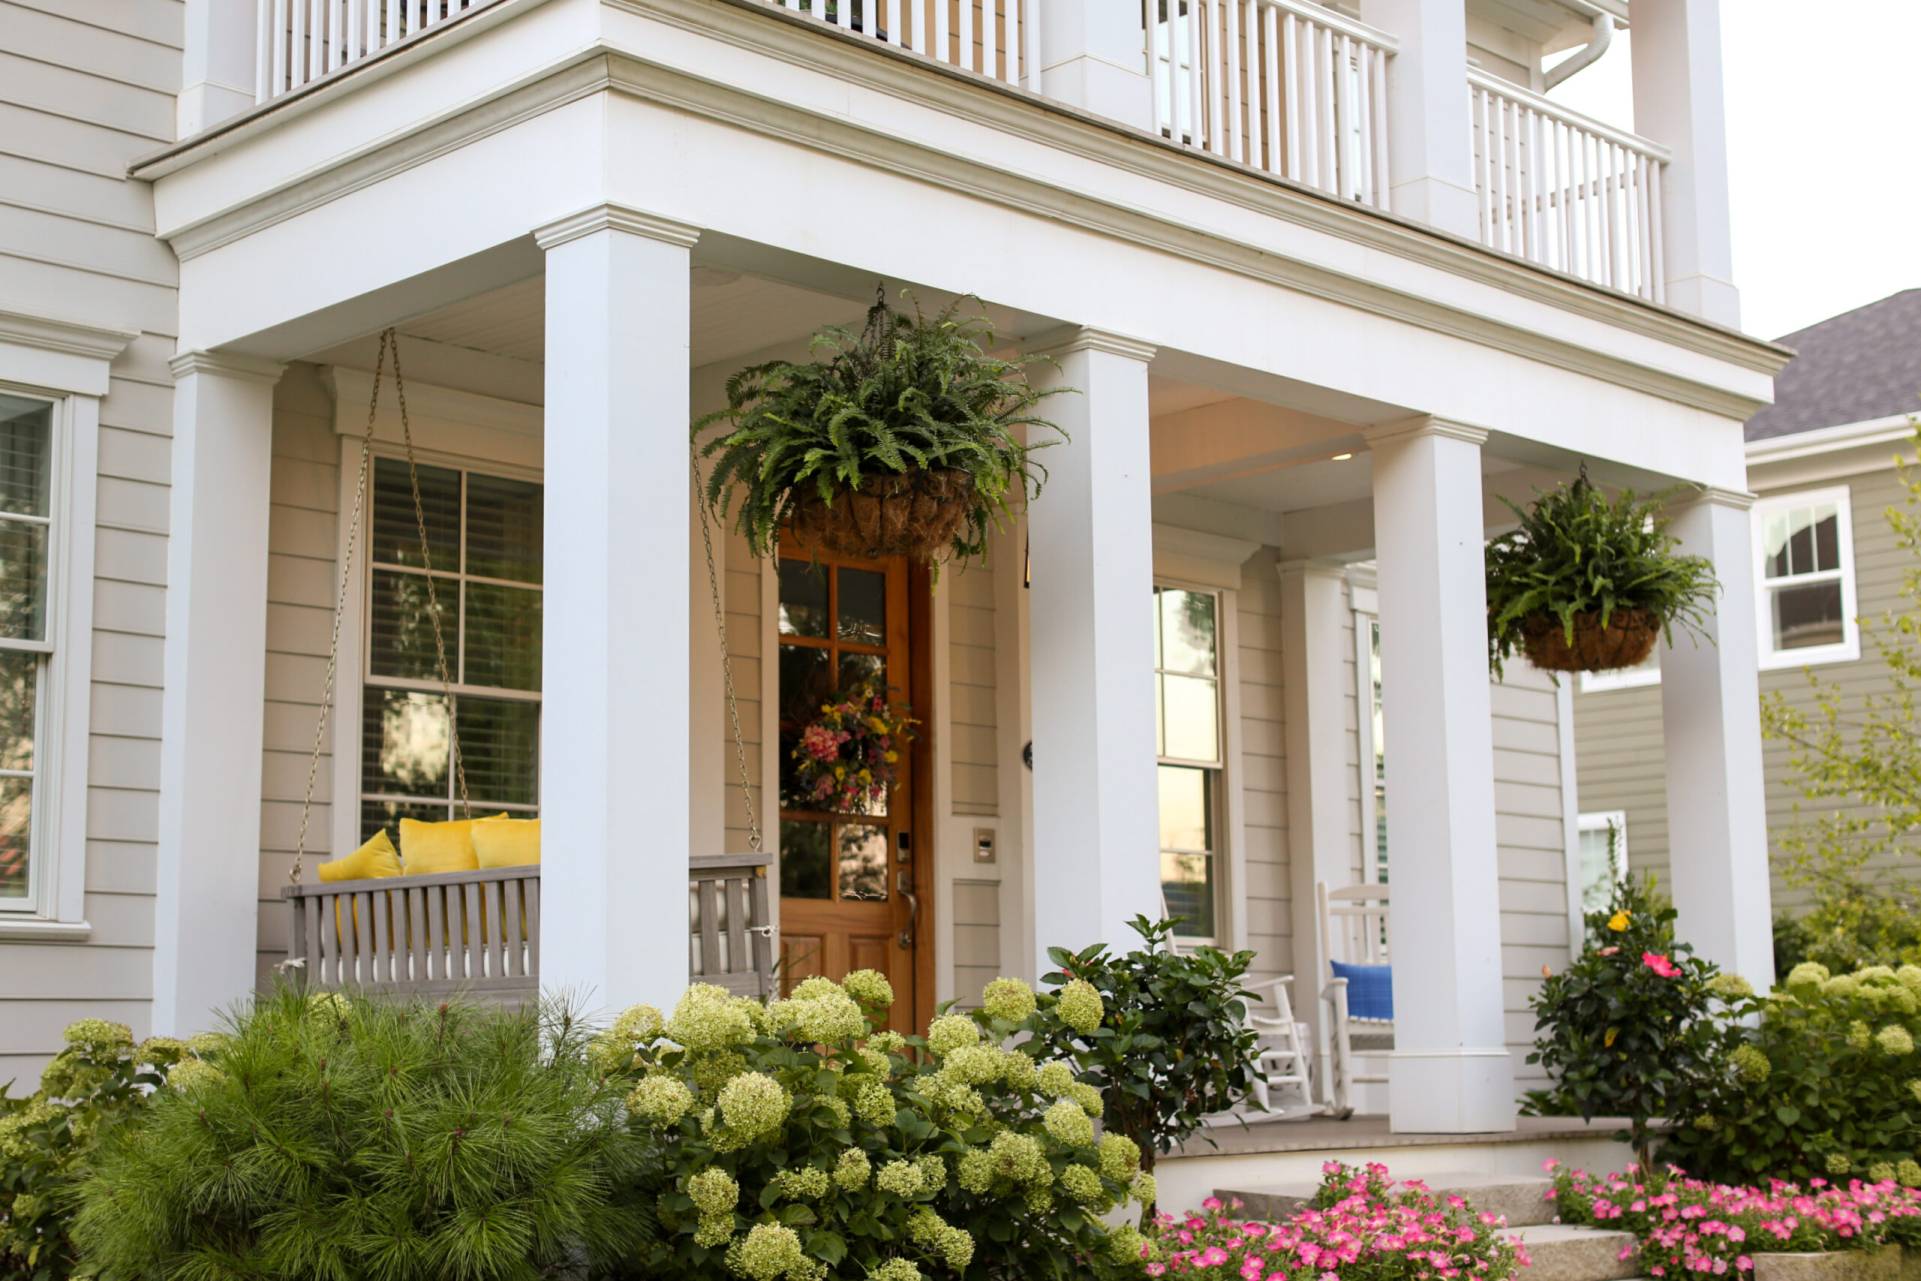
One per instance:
(1848, 648)
(60, 355)
(1423, 425)
(1193, 556)
(616, 217)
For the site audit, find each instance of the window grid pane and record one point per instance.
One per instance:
(484, 533)
(1187, 740)
(26, 539)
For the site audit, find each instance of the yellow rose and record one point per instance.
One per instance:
(1618, 922)
(890, 757)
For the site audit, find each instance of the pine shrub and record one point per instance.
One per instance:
(338, 1139)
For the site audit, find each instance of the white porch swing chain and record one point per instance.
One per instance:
(726, 659)
(388, 339)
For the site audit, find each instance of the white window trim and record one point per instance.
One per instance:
(1230, 911)
(1848, 649)
(1625, 678)
(1364, 602)
(1598, 821)
(452, 428)
(68, 364)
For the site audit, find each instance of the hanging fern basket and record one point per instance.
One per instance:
(1627, 640)
(917, 513)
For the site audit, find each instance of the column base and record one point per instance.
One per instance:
(1468, 1091)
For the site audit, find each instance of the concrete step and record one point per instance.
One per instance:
(1565, 1253)
(1520, 1199)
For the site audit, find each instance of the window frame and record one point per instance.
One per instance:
(53, 909)
(1848, 648)
(1217, 785)
(356, 657)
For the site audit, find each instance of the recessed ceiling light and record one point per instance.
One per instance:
(1341, 458)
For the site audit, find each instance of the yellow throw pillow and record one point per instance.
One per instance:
(375, 858)
(507, 842)
(428, 848)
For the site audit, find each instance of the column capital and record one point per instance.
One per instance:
(1717, 496)
(227, 364)
(618, 218)
(1312, 568)
(1073, 338)
(1422, 425)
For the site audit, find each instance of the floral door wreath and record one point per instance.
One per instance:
(850, 757)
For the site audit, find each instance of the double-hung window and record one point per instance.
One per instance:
(484, 538)
(1603, 854)
(1805, 579)
(1188, 742)
(27, 454)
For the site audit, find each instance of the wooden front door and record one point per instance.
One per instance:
(850, 882)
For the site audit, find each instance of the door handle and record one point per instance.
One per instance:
(904, 884)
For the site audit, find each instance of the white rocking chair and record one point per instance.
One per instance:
(1354, 923)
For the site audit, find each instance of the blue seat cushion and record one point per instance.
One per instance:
(1370, 989)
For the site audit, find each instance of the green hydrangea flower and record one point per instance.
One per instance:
(712, 1018)
(714, 1230)
(100, 1037)
(1841, 987)
(713, 1069)
(1838, 1164)
(1069, 1124)
(1730, 987)
(1914, 1089)
(1018, 1071)
(660, 1102)
(899, 1178)
(207, 1044)
(162, 1051)
(870, 988)
(754, 1106)
(1909, 976)
(1894, 1041)
(1087, 1097)
(954, 1097)
(1881, 1172)
(931, 1232)
(770, 1251)
(1750, 1064)
(972, 1065)
(851, 1170)
(1907, 1172)
(1080, 1006)
(809, 1183)
(1859, 1035)
(874, 1103)
(875, 1062)
(1038, 1199)
(810, 988)
(608, 1054)
(887, 1042)
(896, 1270)
(951, 1032)
(933, 1172)
(639, 1025)
(1806, 978)
(1055, 1079)
(714, 1192)
(1018, 1157)
(1143, 1189)
(1008, 999)
(1120, 1157)
(1126, 1244)
(1082, 1184)
(827, 1018)
(976, 1173)
(190, 1076)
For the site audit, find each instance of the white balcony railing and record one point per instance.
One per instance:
(1565, 191)
(1284, 85)
(996, 38)
(302, 40)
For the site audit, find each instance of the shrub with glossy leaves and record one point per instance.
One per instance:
(795, 1142)
(341, 1138)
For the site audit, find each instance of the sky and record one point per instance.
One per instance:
(1824, 151)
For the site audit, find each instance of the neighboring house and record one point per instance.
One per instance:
(1822, 462)
(1325, 282)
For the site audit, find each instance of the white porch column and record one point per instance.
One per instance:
(1314, 655)
(218, 64)
(1430, 165)
(616, 624)
(1711, 719)
(1094, 55)
(1450, 1071)
(1679, 102)
(214, 678)
(1096, 810)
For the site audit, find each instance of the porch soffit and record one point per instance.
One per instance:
(1001, 107)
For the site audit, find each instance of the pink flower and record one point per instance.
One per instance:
(1661, 965)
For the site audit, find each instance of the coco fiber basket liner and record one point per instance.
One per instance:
(1627, 639)
(915, 514)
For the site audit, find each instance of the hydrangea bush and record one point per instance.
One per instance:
(1825, 1082)
(795, 1141)
(1362, 1226)
(98, 1080)
(1686, 1227)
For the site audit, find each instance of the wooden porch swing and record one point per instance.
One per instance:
(478, 932)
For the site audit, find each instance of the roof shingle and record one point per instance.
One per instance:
(1859, 365)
